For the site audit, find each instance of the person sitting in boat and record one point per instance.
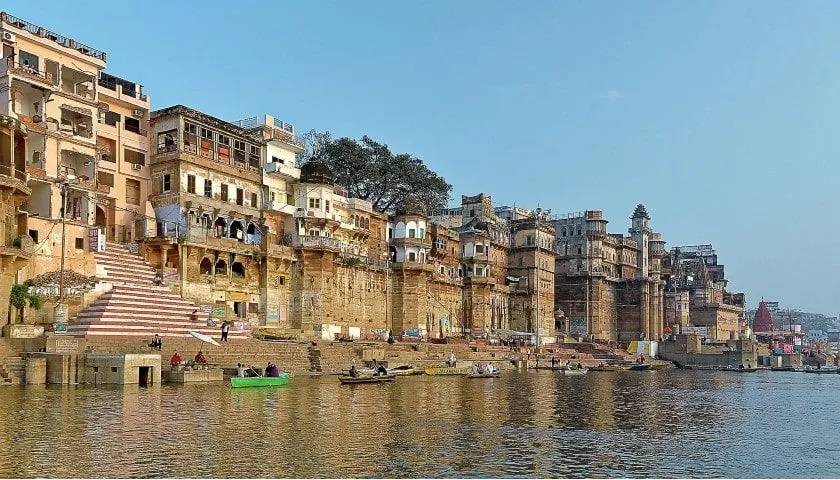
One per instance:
(353, 372)
(475, 369)
(381, 370)
(175, 359)
(240, 370)
(641, 359)
(271, 370)
(579, 366)
(200, 359)
(489, 369)
(451, 361)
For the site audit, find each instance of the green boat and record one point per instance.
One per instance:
(240, 382)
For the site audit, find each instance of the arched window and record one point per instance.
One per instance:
(237, 230)
(221, 267)
(206, 266)
(220, 227)
(237, 269)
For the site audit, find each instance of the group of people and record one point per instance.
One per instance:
(378, 370)
(451, 361)
(243, 370)
(177, 359)
(483, 369)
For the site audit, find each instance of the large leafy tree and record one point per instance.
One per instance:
(369, 170)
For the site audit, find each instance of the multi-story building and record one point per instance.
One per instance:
(607, 285)
(86, 144)
(531, 262)
(15, 245)
(696, 288)
(206, 191)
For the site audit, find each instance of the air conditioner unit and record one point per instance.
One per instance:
(137, 113)
(136, 166)
(9, 37)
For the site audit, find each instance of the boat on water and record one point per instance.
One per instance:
(447, 371)
(484, 375)
(241, 382)
(348, 380)
(784, 369)
(401, 371)
(659, 366)
(608, 368)
(639, 366)
(575, 371)
(739, 369)
(821, 370)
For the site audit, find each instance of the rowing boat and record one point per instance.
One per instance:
(575, 371)
(484, 375)
(639, 366)
(347, 380)
(820, 370)
(240, 382)
(608, 368)
(447, 371)
(739, 370)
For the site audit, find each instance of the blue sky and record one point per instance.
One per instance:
(721, 117)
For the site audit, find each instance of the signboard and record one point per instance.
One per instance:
(578, 326)
(689, 330)
(60, 318)
(96, 240)
(272, 315)
(25, 331)
(63, 345)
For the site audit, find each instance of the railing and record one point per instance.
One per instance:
(59, 39)
(10, 171)
(29, 72)
(128, 88)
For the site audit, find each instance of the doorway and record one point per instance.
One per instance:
(144, 378)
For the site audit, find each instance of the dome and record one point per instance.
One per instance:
(314, 171)
(762, 321)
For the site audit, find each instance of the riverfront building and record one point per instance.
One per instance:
(208, 220)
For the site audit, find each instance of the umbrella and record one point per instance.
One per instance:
(204, 338)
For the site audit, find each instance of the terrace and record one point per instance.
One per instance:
(59, 39)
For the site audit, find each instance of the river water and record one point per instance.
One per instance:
(660, 423)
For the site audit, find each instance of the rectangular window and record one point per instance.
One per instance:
(240, 196)
(410, 233)
(314, 203)
(254, 200)
(132, 191)
(134, 157)
(277, 160)
(206, 133)
(208, 188)
(190, 183)
(167, 182)
(190, 128)
(224, 192)
(33, 234)
(26, 59)
(132, 125)
(111, 118)
(281, 280)
(479, 248)
(80, 243)
(327, 205)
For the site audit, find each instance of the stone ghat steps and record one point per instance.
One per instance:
(12, 370)
(123, 266)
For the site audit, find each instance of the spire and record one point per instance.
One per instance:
(640, 212)
(762, 321)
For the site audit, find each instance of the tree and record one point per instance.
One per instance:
(20, 297)
(369, 170)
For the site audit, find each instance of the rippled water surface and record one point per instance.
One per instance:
(665, 423)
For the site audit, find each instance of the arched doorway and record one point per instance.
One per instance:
(101, 222)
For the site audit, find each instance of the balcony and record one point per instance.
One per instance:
(283, 170)
(122, 89)
(279, 206)
(30, 73)
(316, 242)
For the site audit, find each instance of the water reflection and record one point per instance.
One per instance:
(667, 423)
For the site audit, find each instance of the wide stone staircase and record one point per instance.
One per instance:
(133, 306)
(12, 365)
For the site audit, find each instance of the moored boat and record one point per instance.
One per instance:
(821, 370)
(447, 371)
(739, 370)
(348, 380)
(240, 382)
(575, 371)
(639, 366)
(484, 375)
(608, 368)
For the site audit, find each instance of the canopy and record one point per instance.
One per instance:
(204, 338)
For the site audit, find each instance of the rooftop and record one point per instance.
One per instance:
(50, 35)
(202, 117)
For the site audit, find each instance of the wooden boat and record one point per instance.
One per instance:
(782, 369)
(575, 371)
(348, 380)
(658, 366)
(484, 375)
(739, 370)
(639, 366)
(404, 370)
(447, 371)
(820, 370)
(241, 382)
(608, 368)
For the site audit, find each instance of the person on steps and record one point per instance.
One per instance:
(200, 359)
(225, 330)
(175, 359)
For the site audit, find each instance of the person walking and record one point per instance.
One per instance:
(225, 330)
